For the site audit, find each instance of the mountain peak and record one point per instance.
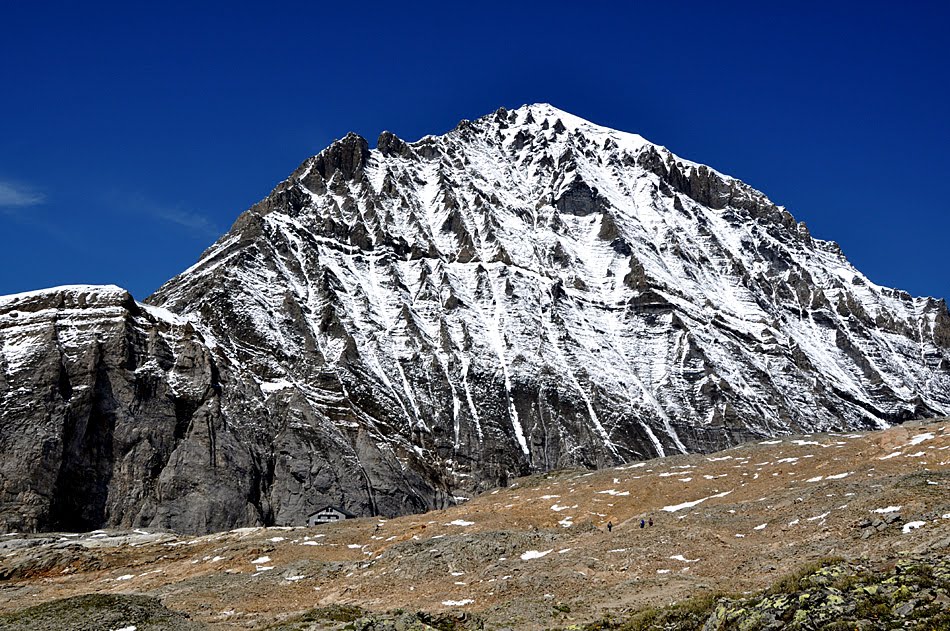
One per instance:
(544, 116)
(394, 329)
(347, 155)
(538, 209)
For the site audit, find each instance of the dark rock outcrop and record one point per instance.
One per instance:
(389, 144)
(579, 199)
(348, 156)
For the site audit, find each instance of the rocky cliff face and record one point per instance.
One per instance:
(115, 414)
(110, 410)
(392, 329)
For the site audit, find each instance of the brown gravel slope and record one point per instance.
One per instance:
(733, 521)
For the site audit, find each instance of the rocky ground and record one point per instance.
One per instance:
(860, 521)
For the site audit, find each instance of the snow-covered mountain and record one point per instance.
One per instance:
(393, 329)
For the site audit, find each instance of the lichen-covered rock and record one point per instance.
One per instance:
(832, 595)
(912, 594)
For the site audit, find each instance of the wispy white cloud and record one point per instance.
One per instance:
(188, 219)
(23, 206)
(199, 224)
(15, 195)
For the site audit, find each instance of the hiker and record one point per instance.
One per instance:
(642, 523)
(610, 527)
(650, 522)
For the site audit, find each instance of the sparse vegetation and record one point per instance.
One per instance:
(792, 582)
(688, 614)
(330, 613)
(92, 612)
(350, 618)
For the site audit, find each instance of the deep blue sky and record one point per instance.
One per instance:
(130, 138)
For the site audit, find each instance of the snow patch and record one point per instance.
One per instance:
(919, 438)
(912, 525)
(677, 507)
(275, 386)
(838, 476)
